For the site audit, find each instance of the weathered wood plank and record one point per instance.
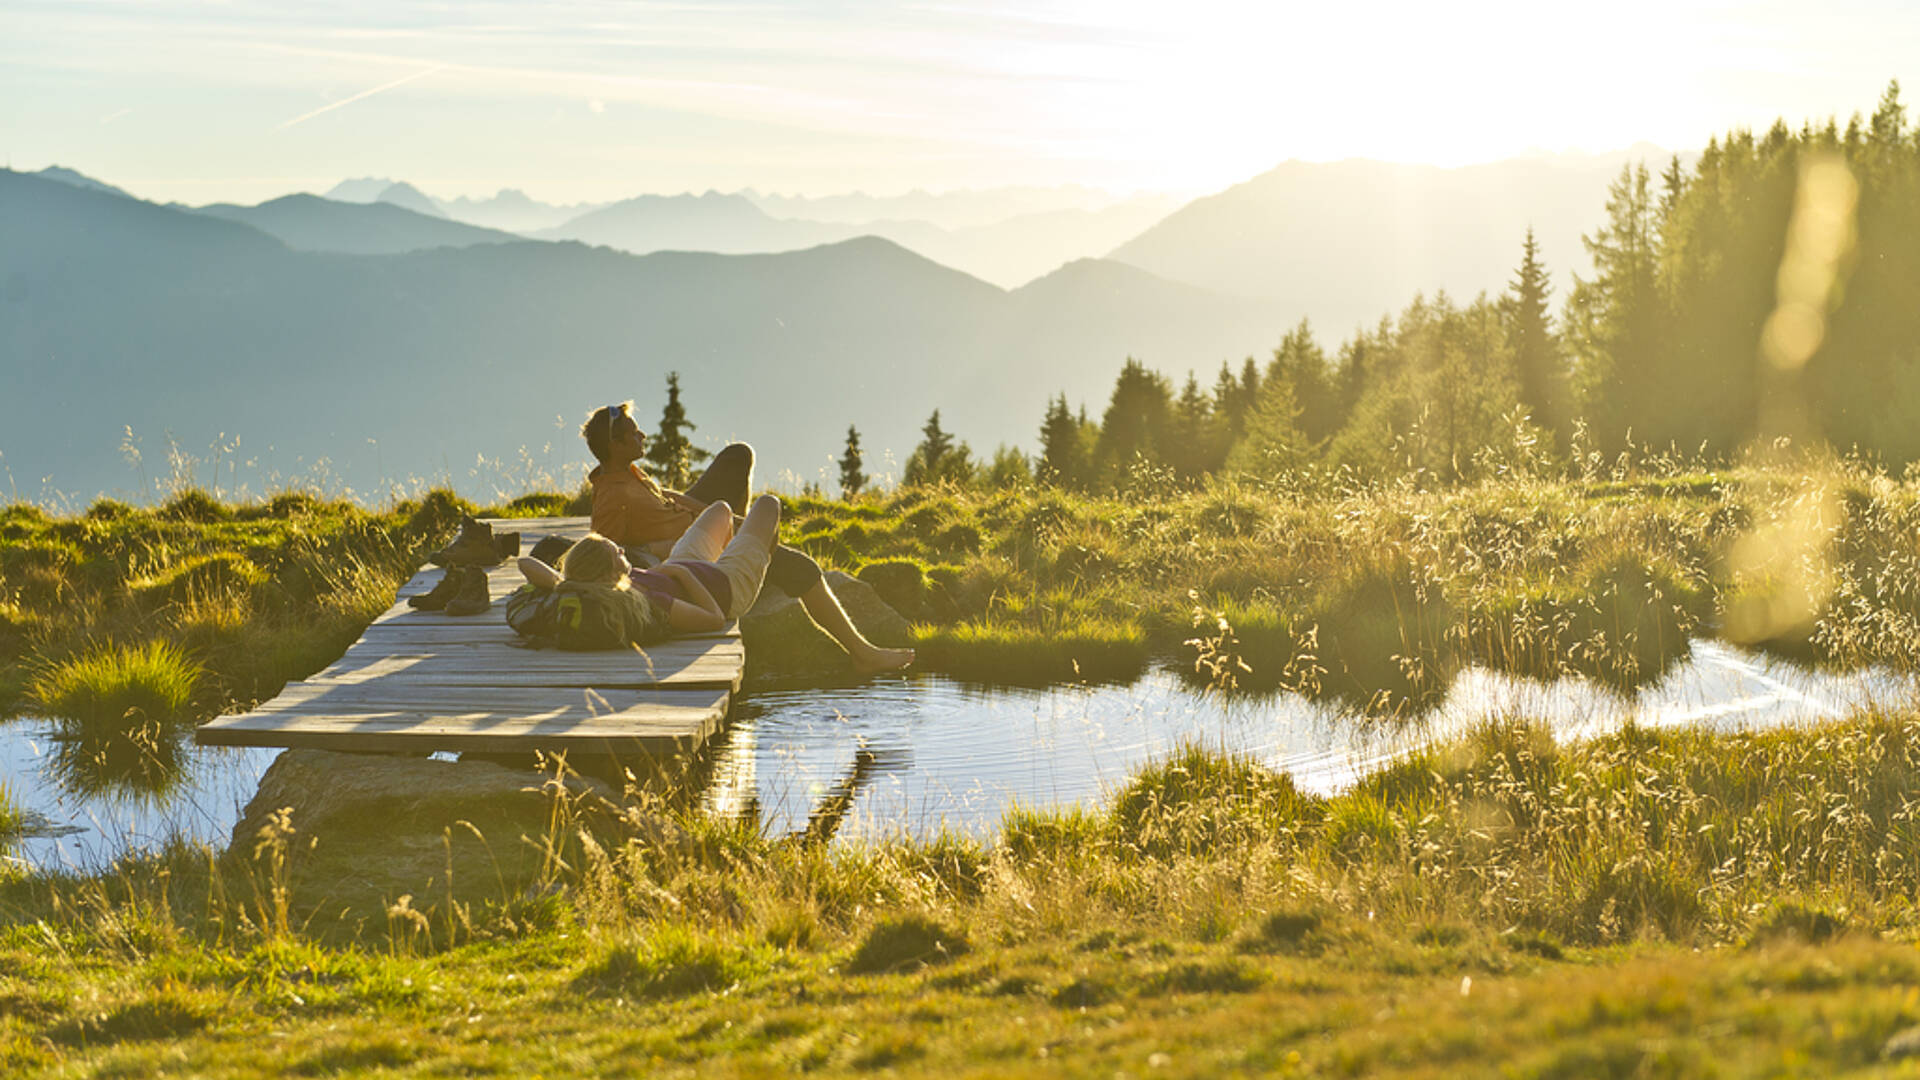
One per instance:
(719, 664)
(679, 720)
(429, 681)
(495, 619)
(393, 694)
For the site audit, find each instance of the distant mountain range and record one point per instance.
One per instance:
(1347, 242)
(510, 210)
(397, 342)
(950, 210)
(117, 313)
(311, 223)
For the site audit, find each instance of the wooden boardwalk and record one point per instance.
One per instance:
(419, 681)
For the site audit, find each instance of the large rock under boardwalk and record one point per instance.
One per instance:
(783, 641)
(370, 828)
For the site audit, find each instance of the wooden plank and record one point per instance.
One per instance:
(505, 651)
(399, 622)
(719, 665)
(429, 681)
(677, 720)
(392, 694)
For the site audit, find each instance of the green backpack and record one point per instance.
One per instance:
(580, 620)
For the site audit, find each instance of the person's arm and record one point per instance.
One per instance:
(699, 611)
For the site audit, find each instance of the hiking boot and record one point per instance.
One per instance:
(507, 545)
(473, 547)
(436, 598)
(550, 549)
(472, 597)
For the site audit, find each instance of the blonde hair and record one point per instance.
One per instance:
(595, 561)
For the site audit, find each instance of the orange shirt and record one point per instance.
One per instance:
(630, 508)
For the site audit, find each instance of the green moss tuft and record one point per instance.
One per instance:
(906, 943)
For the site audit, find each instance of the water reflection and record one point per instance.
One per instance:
(137, 762)
(88, 805)
(952, 755)
(919, 753)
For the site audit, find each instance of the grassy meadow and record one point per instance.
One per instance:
(1648, 903)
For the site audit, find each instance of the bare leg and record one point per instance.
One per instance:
(868, 658)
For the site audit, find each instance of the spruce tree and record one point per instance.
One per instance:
(671, 456)
(1539, 375)
(937, 459)
(1300, 361)
(1272, 443)
(1062, 451)
(1135, 425)
(1614, 321)
(852, 479)
(1193, 445)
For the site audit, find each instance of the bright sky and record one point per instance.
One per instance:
(582, 100)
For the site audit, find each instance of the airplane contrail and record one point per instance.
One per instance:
(381, 89)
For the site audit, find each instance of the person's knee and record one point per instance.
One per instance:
(794, 572)
(734, 453)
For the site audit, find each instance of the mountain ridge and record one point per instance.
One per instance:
(419, 365)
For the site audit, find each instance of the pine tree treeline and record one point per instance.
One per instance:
(1661, 346)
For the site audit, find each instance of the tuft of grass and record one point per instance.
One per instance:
(194, 505)
(668, 962)
(169, 1013)
(534, 505)
(1085, 650)
(218, 575)
(906, 943)
(1790, 921)
(12, 818)
(1294, 931)
(1198, 802)
(121, 687)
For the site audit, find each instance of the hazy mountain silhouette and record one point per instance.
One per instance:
(1007, 253)
(1347, 242)
(311, 223)
(366, 189)
(963, 209)
(727, 224)
(412, 198)
(514, 211)
(118, 313)
(1017, 250)
(67, 176)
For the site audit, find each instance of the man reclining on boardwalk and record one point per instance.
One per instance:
(634, 511)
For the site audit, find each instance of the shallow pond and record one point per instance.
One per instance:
(917, 753)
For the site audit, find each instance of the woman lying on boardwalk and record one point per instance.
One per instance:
(710, 577)
(635, 512)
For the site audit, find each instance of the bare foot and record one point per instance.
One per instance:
(877, 660)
